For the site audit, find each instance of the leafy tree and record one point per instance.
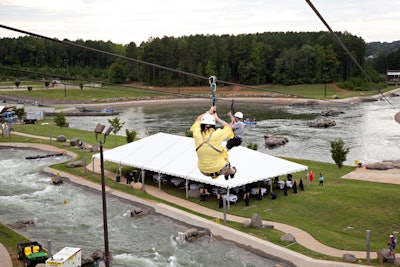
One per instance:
(280, 57)
(130, 136)
(117, 125)
(339, 153)
(20, 112)
(60, 120)
(117, 73)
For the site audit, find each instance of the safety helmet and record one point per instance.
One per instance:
(208, 119)
(239, 115)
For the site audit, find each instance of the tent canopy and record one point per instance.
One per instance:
(176, 156)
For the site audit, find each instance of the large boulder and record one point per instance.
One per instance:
(86, 261)
(330, 112)
(256, 221)
(380, 166)
(288, 238)
(21, 224)
(74, 142)
(100, 255)
(272, 140)
(193, 233)
(384, 165)
(347, 257)
(94, 148)
(73, 164)
(384, 256)
(61, 138)
(139, 212)
(246, 224)
(322, 123)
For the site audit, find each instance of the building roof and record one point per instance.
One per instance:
(393, 72)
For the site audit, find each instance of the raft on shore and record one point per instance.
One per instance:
(82, 111)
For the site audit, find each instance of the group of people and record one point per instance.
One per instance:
(212, 156)
(321, 178)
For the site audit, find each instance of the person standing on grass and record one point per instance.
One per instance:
(321, 179)
(311, 176)
(392, 245)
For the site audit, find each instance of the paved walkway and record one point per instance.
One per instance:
(5, 259)
(302, 237)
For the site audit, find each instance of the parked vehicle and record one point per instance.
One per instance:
(31, 253)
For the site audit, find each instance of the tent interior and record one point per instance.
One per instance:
(167, 154)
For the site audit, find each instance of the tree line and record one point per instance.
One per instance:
(272, 57)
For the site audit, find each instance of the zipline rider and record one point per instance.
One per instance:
(238, 130)
(212, 156)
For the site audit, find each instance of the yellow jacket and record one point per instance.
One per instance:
(210, 160)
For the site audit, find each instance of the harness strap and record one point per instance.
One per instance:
(206, 142)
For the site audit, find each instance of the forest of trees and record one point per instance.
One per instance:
(273, 57)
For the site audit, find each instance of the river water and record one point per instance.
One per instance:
(71, 216)
(368, 129)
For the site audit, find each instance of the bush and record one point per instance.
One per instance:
(130, 135)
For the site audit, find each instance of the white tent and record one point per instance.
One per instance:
(176, 156)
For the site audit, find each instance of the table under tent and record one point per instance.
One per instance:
(167, 154)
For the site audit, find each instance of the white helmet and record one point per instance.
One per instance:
(239, 115)
(208, 119)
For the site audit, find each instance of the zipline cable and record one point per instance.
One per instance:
(346, 50)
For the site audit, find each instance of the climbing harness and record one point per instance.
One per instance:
(206, 142)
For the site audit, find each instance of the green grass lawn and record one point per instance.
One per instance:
(93, 94)
(118, 93)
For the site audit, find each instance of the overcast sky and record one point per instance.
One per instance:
(124, 21)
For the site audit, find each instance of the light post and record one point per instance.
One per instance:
(325, 69)
(65, 86)
(98, 131)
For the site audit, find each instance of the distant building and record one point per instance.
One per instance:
(393, 77)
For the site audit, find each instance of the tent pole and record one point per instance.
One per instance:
(307, 177)
(224, 200)
(159, 182)
(186, 187)
(227, 198)
(142, 180)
